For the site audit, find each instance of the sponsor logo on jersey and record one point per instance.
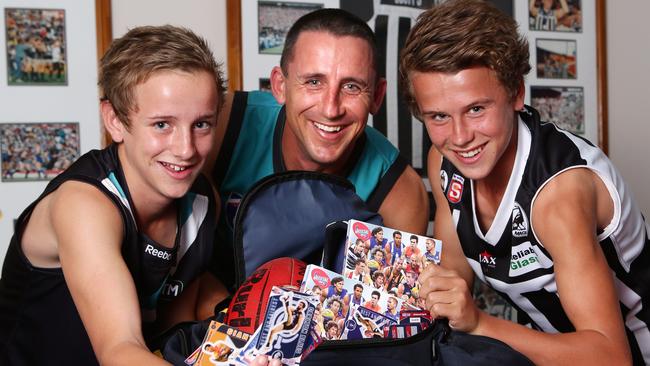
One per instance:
(455, 191)
(444, 180)
(519, 222)
(525, 258)
(487, 259)
(232, 205)
(172, 288)
(162, 254)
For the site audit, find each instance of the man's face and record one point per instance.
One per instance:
(379, 281)
(379, 256)
(397, 238)
(414, 243)
(391, 303)
(335, 307)
(358, 291)
(361, 267)
(170, 134)
(339, 286)
(374, 299)
(470, 119)
(328, 92)
(430, 245)
(379, 236)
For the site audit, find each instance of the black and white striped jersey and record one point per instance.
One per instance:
(510, 258)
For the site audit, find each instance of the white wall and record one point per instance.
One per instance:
(76, 102)
(206, 18)
(628, 62)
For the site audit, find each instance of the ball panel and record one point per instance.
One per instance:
(248, 305)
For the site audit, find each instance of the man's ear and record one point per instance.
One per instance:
(278, 84)
(378, 97)
(112, 123)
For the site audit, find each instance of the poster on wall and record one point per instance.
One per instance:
(37, 151)
(564, 106)
(555, 15)
(275, 19)
(556, 59)
(36, 46)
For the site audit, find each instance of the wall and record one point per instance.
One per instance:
(628, 60)
(207, 18)
(76, 102)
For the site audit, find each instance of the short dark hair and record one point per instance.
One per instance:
(336, 280)
(377, 230)
(396, 233)
(336, 22)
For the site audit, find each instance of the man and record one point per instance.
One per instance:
(373, 303)
(412, 248)
(377, 239)
(391, 308)
(378, 280)
(537, 213)
(394, 248)
(359, 272)
(358, 252)
(336, 288)
(545, 16)
(112, 250)
(322, 93)
(357, 296)
(294, 318)
(432, 254)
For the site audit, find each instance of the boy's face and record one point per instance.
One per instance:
(328, 92)
(469, 117)
(170, 135)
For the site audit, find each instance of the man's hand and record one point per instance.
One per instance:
(448, 296)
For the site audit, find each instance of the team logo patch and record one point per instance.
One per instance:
(455, 191)
(525, 258)
(232, 205)
(444, 180)
(519, 222)
(172, 288)
(487, 259)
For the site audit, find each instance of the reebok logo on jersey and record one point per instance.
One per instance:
(163, 254)
(487, 258)
(455, 191)
(519, 222)
(525, 258)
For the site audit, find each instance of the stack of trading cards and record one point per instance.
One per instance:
(286, 332)
(339, 296)
(411, 323)
(389, 259)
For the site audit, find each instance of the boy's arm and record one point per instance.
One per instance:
(100, 283)
(565, 218)
(406, 206)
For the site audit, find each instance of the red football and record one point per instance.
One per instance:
(247, 308)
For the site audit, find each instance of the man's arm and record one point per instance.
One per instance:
(89, 249)
(407, 206)
(562, 11)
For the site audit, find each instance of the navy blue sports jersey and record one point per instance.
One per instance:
(39, 323)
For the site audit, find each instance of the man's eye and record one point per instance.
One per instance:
(351, 88)
(476, 109)
(312, 82)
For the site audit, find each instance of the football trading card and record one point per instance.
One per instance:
(285, 331)
(393, 259)
(218, 345)
(339, 294)
(400, 331)
(365, 323)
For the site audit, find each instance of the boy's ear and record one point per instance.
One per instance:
(112, 123)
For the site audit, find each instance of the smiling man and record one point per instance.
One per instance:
(113, 249)
(315, 119)
(537, 213)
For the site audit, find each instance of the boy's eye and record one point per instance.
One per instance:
(161, 125)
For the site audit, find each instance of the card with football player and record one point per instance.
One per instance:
(388, 258)
(364, 323)
(285, 331)
(218, 345)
